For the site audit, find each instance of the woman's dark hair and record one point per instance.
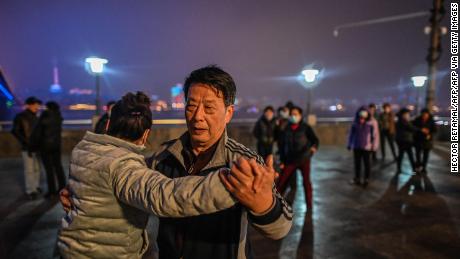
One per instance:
(215, 77)
(386, 105)
(110, 103)
(425, 110)
(53, 106)
(130, 117)
(296, 108)
(289, 104)
(402, 111)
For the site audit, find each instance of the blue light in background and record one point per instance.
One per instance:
(55, 88)
(6, 93)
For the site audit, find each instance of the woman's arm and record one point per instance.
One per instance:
(149, 190)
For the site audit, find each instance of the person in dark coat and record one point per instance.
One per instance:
(46, 140)
(387, 124)
(101, 124)
(23, 124)
(362, 140)
(405, 132)
(282, 121)
(424, 138)
(300, 144)
(264, 132)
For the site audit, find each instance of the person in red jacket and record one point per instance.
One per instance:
(299, 145)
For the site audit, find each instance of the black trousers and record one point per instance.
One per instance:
(362, 156)
(385, 135)
(422, 155)
(405, 148)
(53, 168)
(264, 149)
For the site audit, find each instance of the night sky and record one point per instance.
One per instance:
(152, 45)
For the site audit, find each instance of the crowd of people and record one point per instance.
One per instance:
(40, 139)
(296, 143)
(369, 130)
(205, 187)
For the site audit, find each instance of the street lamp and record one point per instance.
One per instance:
(310, 79)
(310, 75)
(418, 82)
(96, 67)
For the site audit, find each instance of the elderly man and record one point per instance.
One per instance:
(210, 96)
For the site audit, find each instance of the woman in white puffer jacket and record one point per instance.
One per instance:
(113, 192)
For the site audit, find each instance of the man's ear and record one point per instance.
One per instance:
(107, 125)
(229, 113)
(145, 137)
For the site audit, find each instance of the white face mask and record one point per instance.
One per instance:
(284, 114)
(363, 114)
(294, 119)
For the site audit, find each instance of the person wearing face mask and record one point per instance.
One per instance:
(264, 132)
(282, 121)
(372, 109)
(362, 140)
(299, 145)
(405, 138)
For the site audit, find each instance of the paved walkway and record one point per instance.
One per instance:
(397, 216)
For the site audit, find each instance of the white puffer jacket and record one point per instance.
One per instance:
(113, 191)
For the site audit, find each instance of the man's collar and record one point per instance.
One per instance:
(183, 142)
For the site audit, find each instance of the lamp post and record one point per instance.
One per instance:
(434, 52)
(96, 67)
(418, 82)
(310, 76)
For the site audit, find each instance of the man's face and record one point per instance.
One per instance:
(269, 115)
(387, 109)
(425, 116)
(33, 107)
(372, 111)
(206, 114)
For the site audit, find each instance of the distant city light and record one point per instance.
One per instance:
(419, 81)
(96, 64)
(310, 75)
(79, 91)
(82, 107)
(55, 88)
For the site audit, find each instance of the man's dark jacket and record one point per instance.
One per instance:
(23, 125)
(265, 130)
(46, 135)
(297, 143)
(421, 139)
(101, 124)
(223, 234)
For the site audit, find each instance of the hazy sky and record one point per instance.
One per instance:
(152, 45)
